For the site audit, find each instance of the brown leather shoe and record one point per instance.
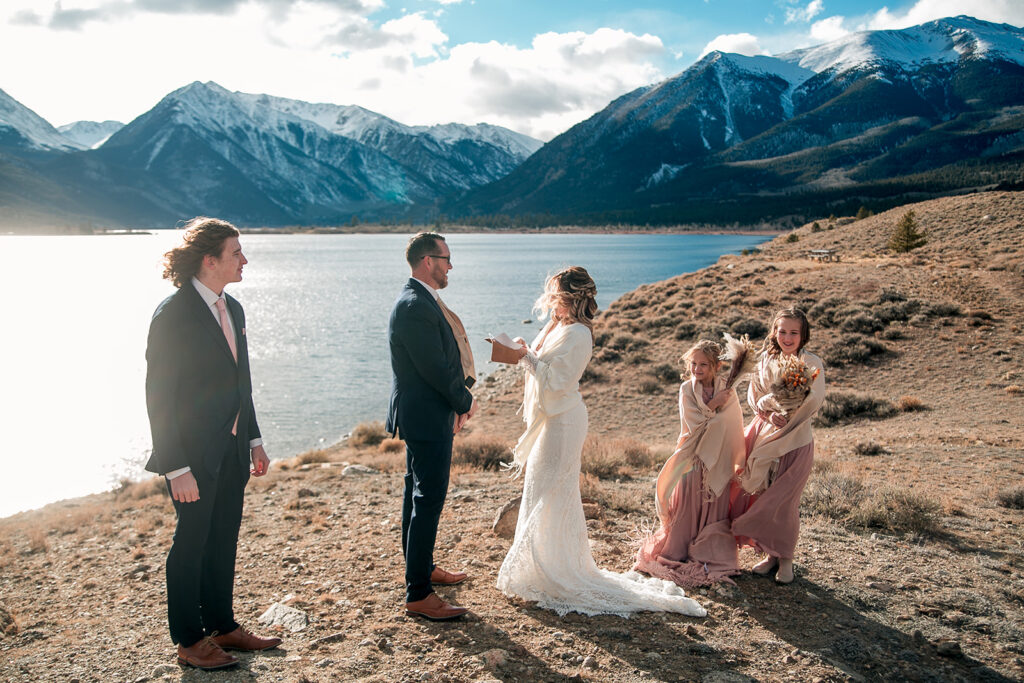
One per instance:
(241, 639)
(434, 608)
(443, 578)
(205, 655)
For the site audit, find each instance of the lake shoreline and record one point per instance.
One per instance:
(73, 231)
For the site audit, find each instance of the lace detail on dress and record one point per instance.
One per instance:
(550, 559)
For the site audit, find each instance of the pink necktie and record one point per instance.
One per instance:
(222, 313)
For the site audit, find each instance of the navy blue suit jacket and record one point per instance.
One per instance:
(194, 388)
(428, 387)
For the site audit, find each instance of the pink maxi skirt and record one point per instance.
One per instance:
(697, 548)
(770, 520)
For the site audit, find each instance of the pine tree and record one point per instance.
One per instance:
(905, 236)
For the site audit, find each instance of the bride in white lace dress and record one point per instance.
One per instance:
(550, 560)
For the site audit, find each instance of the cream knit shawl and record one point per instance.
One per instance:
(712, 439)
(773, 443)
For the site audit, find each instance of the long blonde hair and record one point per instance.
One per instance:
(712, 351)
(573, 289)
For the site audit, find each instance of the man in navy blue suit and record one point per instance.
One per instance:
(199, 399)
(432, 371)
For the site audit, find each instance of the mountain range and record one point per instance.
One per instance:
(874, 119)
(253, 159)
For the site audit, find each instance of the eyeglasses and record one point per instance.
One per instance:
(446, 258)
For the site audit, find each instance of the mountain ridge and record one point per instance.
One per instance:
(736, 139)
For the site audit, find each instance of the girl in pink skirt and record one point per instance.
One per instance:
(765, 506)
(694, 545)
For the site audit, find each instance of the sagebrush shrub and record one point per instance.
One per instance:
(666, 372)
(823, 312)
(851, 349)
(1012, 498)
(844, 406)
(749, 326)
(863, 322)
(481, 452)
(894, 508)
(650, 385)
(831, 494)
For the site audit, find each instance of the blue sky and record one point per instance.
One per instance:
(531, 65)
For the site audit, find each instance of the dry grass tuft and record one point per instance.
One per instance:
(610, 496)
(600, 458)
(391, 446)
(140, 490)
(848, 500)
(385, 460)
(605, 458)
(367, 434)
(898, 509)
(1012, 498)
(481, 452)
(911, 404)
(36, 537)
(831, 494)
(311, 457)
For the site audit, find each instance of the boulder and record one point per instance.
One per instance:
(505, 522)
(282, 615)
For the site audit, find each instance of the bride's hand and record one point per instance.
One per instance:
(523, 348)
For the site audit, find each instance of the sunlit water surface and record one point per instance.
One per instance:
(74, 314)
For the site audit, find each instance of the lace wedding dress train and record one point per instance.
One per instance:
(550, 559)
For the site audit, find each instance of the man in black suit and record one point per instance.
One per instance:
(199, 399)
(432, 370)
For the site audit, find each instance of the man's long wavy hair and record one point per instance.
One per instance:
(203, 236)
(573, 289)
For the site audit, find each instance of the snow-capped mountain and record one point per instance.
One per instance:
(937, 42)
(89, 134)
(454, 156)
(262, 160)
(932, 108)
(20, 127)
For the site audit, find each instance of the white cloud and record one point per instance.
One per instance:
(320, 51)
(999, 11)
(828, 29)
(740, 43)
(805, 14)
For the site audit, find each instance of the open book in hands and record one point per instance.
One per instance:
(503, 349)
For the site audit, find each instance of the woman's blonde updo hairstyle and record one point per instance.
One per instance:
(574, 290)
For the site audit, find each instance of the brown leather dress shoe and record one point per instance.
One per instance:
(205, 655)
(443, 578)
(240, 639)
(434, 608)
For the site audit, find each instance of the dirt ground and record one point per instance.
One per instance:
(935, 597)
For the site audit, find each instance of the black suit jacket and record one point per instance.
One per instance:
(194, 388)
(428, 387)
